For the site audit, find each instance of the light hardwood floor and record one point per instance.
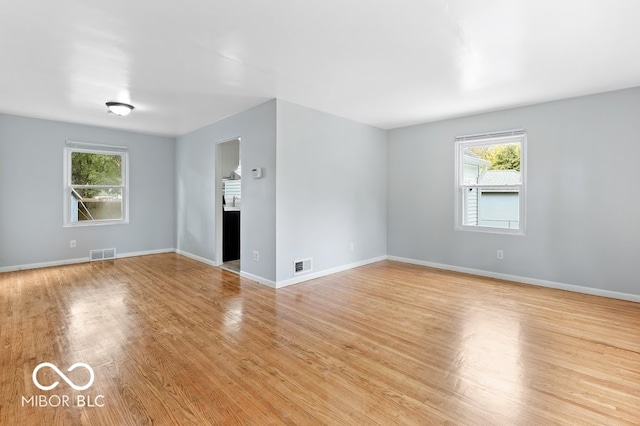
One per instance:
(173, 341)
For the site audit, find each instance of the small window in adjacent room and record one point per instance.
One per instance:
(490, 182)
(96, 184)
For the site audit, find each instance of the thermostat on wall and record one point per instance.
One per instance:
(256, 173)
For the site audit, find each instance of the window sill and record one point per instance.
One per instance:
(490, 230)
(85, 223)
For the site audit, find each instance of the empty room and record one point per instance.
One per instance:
(319, 212)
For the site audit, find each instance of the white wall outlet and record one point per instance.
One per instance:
(256, 256)
(351, 246)
(72, 243)
(500, 254)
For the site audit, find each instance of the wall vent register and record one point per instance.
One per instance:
(302, 266)
(102, 254)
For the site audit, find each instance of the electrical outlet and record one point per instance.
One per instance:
(500, 254)
(72, 243)
(256, 256)
(351, 246)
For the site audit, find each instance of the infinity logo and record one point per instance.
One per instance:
(62, 375)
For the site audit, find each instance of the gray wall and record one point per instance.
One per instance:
(328, 189)
(582, 202)
(31, 193)
(196, 192)
(339, 182)
(331, 190)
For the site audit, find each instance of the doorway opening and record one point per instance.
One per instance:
(228, 204)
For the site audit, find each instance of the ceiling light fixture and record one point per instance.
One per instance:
(119, 108)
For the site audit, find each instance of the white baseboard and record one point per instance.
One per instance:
(524, 280)
(307, 277)
(194, 257)
(44, 264)
(78, 260)
(258, 279)
(312, 276)
(144, 253)
(243, 274)
(292, 281)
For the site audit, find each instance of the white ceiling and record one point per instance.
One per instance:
(386, 63)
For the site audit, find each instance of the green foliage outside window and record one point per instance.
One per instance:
(502, 157)
(96, 169)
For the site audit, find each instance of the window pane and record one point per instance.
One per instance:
(96, 204)
(470, 206)
(497, 164)
(473, 166)
(96, 169)
(492, 208)
(491, 188)
(499, 209)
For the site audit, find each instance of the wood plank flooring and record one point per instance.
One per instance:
(173, 341)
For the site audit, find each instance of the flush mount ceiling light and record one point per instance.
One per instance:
(119, 108)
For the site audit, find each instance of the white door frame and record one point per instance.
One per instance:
(218, 197)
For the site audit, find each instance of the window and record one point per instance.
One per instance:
(95, 184)
(490, 182)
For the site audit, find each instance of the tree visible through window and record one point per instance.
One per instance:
(502, 157)
(96, 186)
(490, 182)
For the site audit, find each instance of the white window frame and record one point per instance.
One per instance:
(71, 147)
(484, 139)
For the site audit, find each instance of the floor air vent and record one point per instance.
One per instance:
(102, 254)
(301, 266)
